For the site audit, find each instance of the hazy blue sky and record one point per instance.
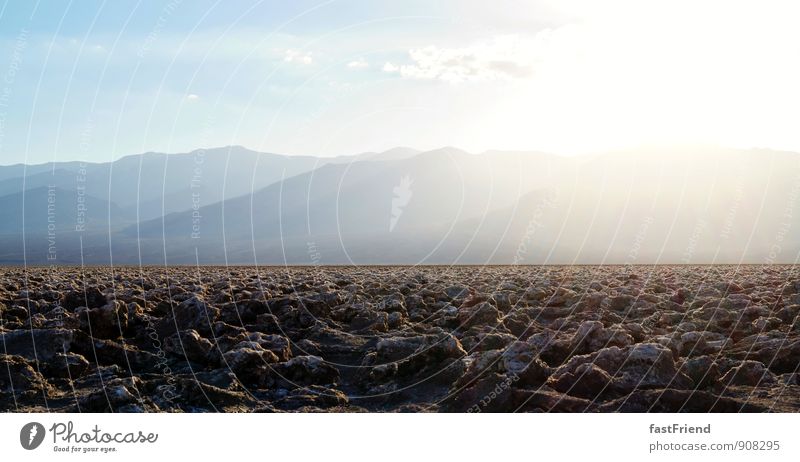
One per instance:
(97, 80)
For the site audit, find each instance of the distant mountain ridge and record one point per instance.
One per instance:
(232, 205)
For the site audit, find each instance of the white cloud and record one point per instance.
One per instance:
(390, 68)
(297, 56)
(192, 97)
(360, 63)
(497, 58)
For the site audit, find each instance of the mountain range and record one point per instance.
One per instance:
(232, 205)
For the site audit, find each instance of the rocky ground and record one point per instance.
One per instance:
(452, 339)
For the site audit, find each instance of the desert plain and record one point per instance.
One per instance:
(664, 338)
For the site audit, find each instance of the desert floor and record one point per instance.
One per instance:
(415, 339)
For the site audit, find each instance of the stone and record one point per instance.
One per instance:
(750, 373)
(67, 366)
(308, 370)
(521, 360)
(620, 302)
(91, 297)
(272, 342)
(36, 344)
(18, 378)
(620, 370)
(673, 401)
(482, 314)
(193, 313)
(372, 321)
(703, 370)
(110, 399)
(311, 398)
(430, 346)
(190, 345)
(457, 292)
(110, 352)
(592, 336)
(106, 322)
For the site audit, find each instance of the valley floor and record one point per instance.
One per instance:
(418, 339)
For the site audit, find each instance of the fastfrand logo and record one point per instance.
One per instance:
(402, 196)
(31, 435)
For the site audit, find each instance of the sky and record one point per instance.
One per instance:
(94, 80)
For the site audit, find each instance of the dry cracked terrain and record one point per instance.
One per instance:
(414, 339)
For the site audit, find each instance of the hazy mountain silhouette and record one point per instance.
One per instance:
(444, 206)
(153, 184)
(47, 210)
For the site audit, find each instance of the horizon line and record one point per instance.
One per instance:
(676, 146)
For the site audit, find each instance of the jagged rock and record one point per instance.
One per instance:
(620, 302)
(479, 363)
(672, 401)
(491, 340)
(108, 352)
(520, 360)
(248, 354)
(109, 399)
(766, 324)
(430, 358)
(91, 297)
(592, 336)
(751, 373)
(67, 366)
(780, 353)
(312, 398)
(275, 343)
(481, 314)
(703, 370)
(702, 343)
(193, 313)
(195, 394)
(373, 321)
(107, 321)
(20, 378)
(308, 370)
(497, 393)
(457, 292)
(430, 346)
(14, 313)
(188, 344)
(619, 370)
(36, 344)
(586, 380)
